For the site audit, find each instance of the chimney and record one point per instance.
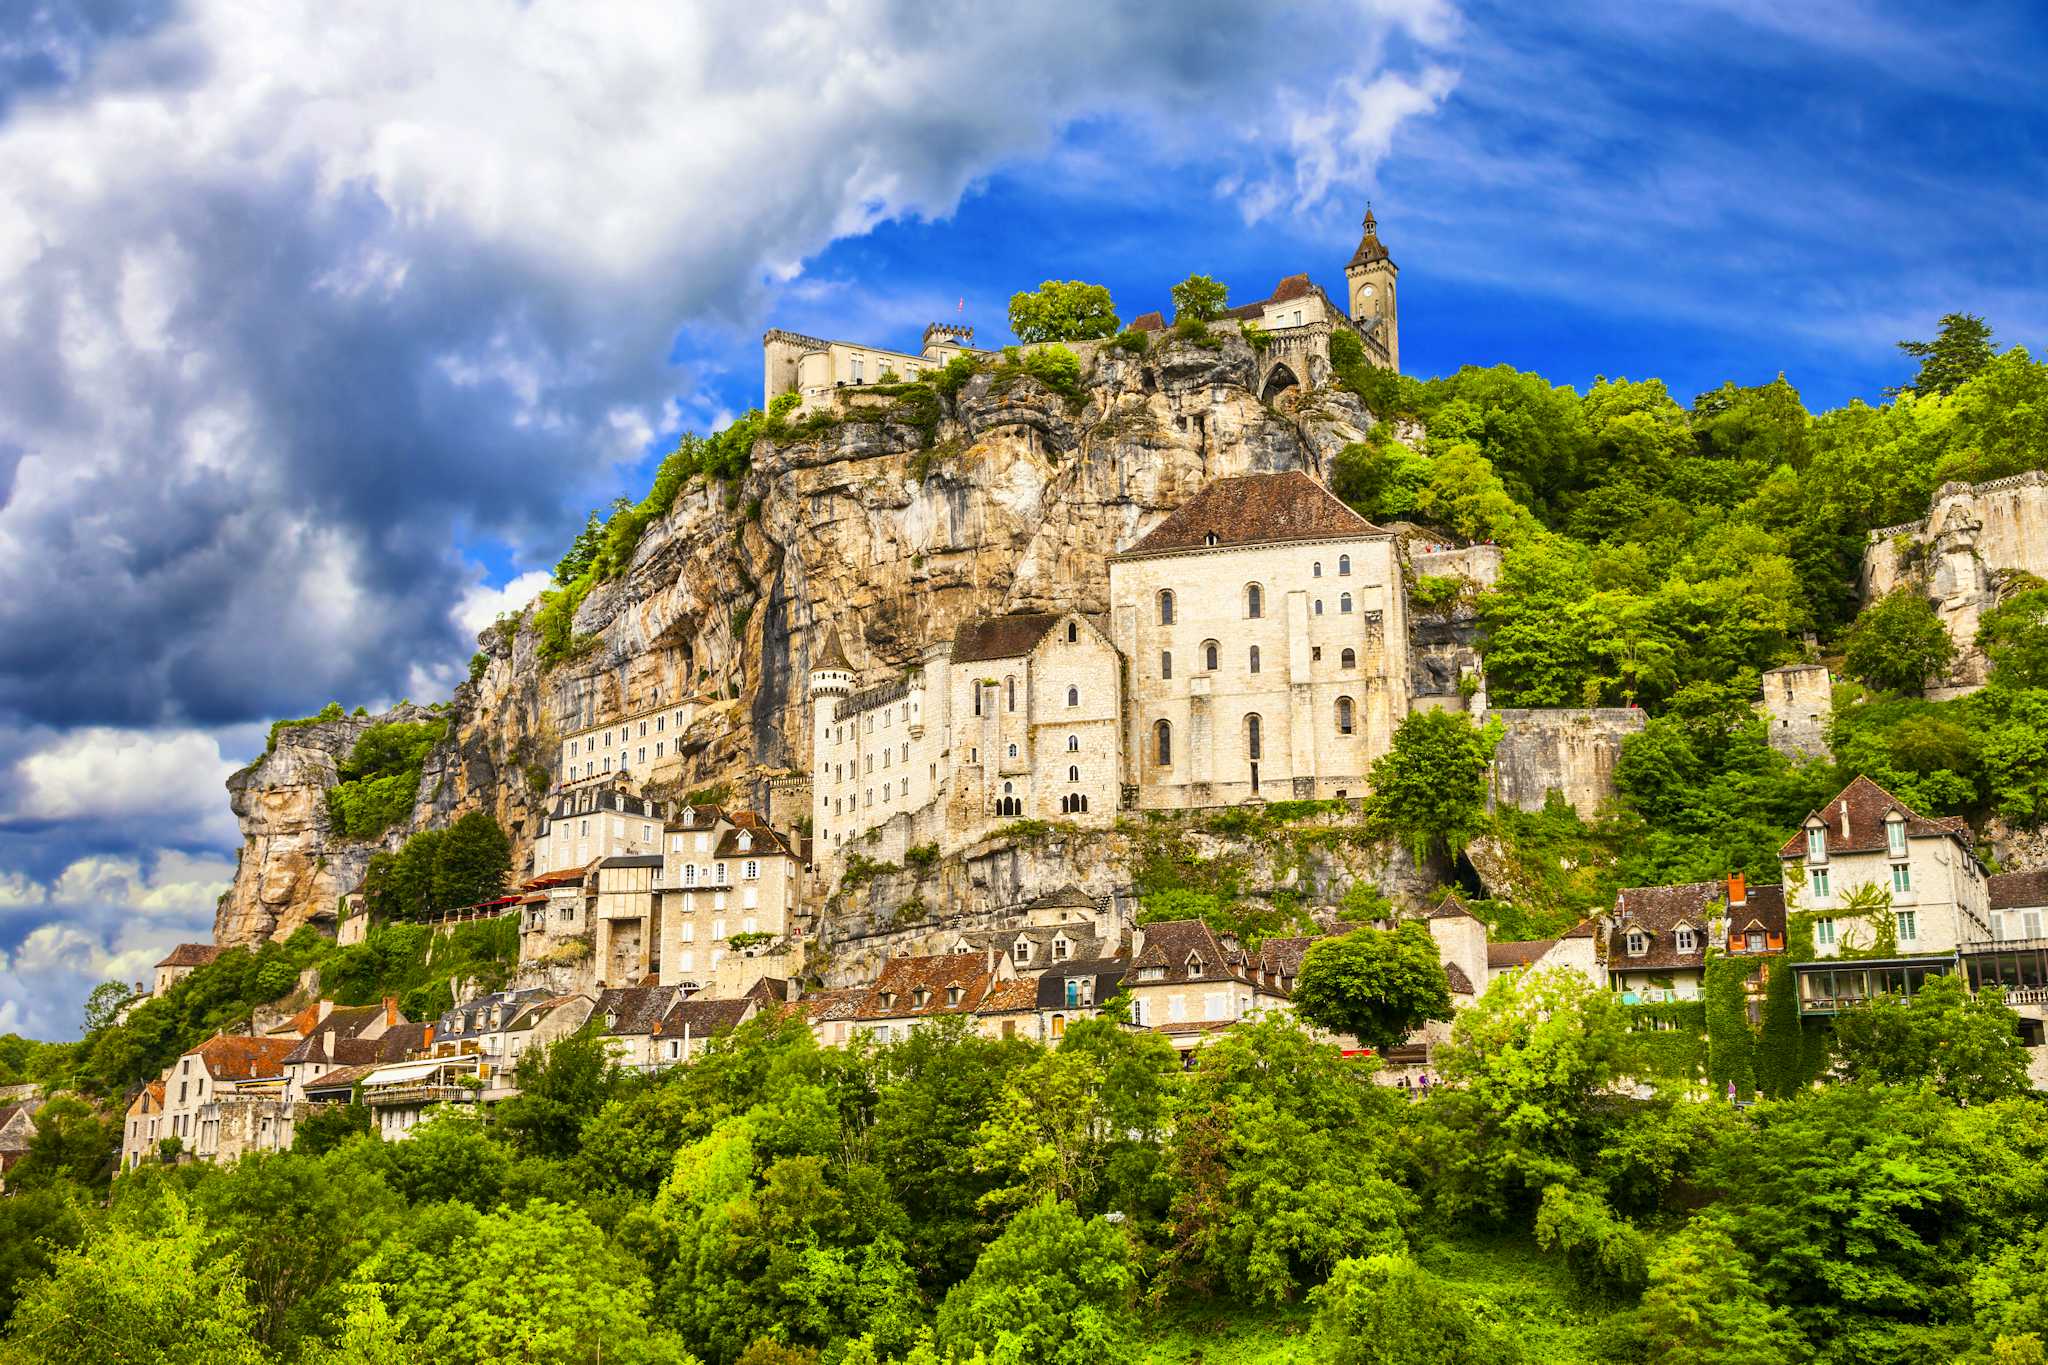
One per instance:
(428, 1039)
(988, 956)
(390, 1010)
(1845, 820)
(1738, 890)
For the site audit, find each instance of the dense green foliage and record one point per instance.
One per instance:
(439, 869)
(1429, 788)
(951, 1198)
(1063, 310)
(1377, 985)
(380, 778)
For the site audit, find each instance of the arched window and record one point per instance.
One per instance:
(1073, 696)
(1073, 744)
(1344, 604)
(1350, 658)
(1073, 633)
(1162, 735)
(1073, 772)
(1010, 689)
(1165, 608)
(1165, 663)
(1318, 569)
(977, 699)
(1319, 606)
(1343, 566)
(1059, 1026)
(1255, 659)
(1254, 601)
(1343, 715)
(1209, 655)
(1013, 751)
(1253, 748)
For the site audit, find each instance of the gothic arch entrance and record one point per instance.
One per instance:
(1278, 380)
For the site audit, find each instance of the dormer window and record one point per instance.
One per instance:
(1816, 843)
(1638, 943)
(954, 994)
(1685, 938)
(888, 1000)
(1209, 539)
(1194, 964)
(1062, 948)
(1895, 834)
(1021, 951)
(746, 841)
(919, 996)
(611, 1020)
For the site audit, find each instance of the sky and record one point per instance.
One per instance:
(322, 327)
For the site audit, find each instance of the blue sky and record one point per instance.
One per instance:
(320, 330)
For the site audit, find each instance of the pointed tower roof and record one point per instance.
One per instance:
(1370, 248)
(833, 655)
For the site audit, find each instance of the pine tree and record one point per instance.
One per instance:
(1960, 351)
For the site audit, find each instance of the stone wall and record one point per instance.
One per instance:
(1961, 556)
(1569, 750)
(1798, 703)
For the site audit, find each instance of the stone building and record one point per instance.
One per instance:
(594, 821)
(1571, 751)
(732, 902)
(1799, 701)
(647, 745)
(180, 963)
(1264, 624)
(814, 368)
(208, 1091)
(1866, 837)
(1190, 983)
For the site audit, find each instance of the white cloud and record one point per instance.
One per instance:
(482, 605)
(170, 778)
(179, 883)
(18, 891)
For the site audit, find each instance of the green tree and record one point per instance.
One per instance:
(1704, 1307)
(1429, 788)
(73, 1143)
(1958, 352)
(1965, 1047)
(583, 551)
(1200, 299)
(1608, 1256)
(1063, 310)
(472, 862)
(1387, 1310)
(133, 1295)
(541, 1284)
(1377, 985)
(1897, 643)
(1054, 1287)
(35, 1225)
(105, 1003)
(2014, 636)
(328, 1126)
(561, 1086)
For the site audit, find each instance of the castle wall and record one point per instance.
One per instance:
(1972, 535)
(1569, 750)
(1798, 703)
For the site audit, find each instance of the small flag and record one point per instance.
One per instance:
(962, 305)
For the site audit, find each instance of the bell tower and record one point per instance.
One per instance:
(1370, 277)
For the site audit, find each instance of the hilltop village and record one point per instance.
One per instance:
(954, 838)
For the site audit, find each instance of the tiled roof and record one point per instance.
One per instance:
(341, 1078)
(1370, 248)
(191, 955)
(1001, 637)
(1764, 909)
(699, 1018)
(567, 876)
(696, 817)
(1170, 944)
(769, 990)
(2018, 890)
(1453, 907)
(767, 843)
(1867, 805)
(1256, 509)
(638, 1008)
(1461, 984)
(633, 860)
(1588, 927)
(1010, 997)
(1154, 321)
(231, 1057)
(1500, 956)
(1282, 956)
(472, 1018)
(1068, 896)
(343, 1022)
(1082, 941)
(823, 1007)
(1658, 911)
(894, 994)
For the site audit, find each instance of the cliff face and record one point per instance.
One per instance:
(883, 525)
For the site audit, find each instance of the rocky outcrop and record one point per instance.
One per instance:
(880, 522)
(1966, 556)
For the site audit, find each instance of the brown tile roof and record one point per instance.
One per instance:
(191, 955)
(1588, 927)
(1001, 637)
(822, 1007)
(1461, 984)
(1500, 956)
(1370, 248)
(894, 994)
(1867, 805)
(1010, 997)
(567, 876)
(1764, 909)
(231, 1057)
(1658, 911)
(2018, 890)
(1256, 509)
(344, 1022)
(697, 817)
(767, 843)
(701, 1018)
(1154, 321)
(1293, 287)
(342, 1077)
(1453, 907)
(1171, 943)
(769, 990)
(833, 655)
(639, 1008)
(1282, 956)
